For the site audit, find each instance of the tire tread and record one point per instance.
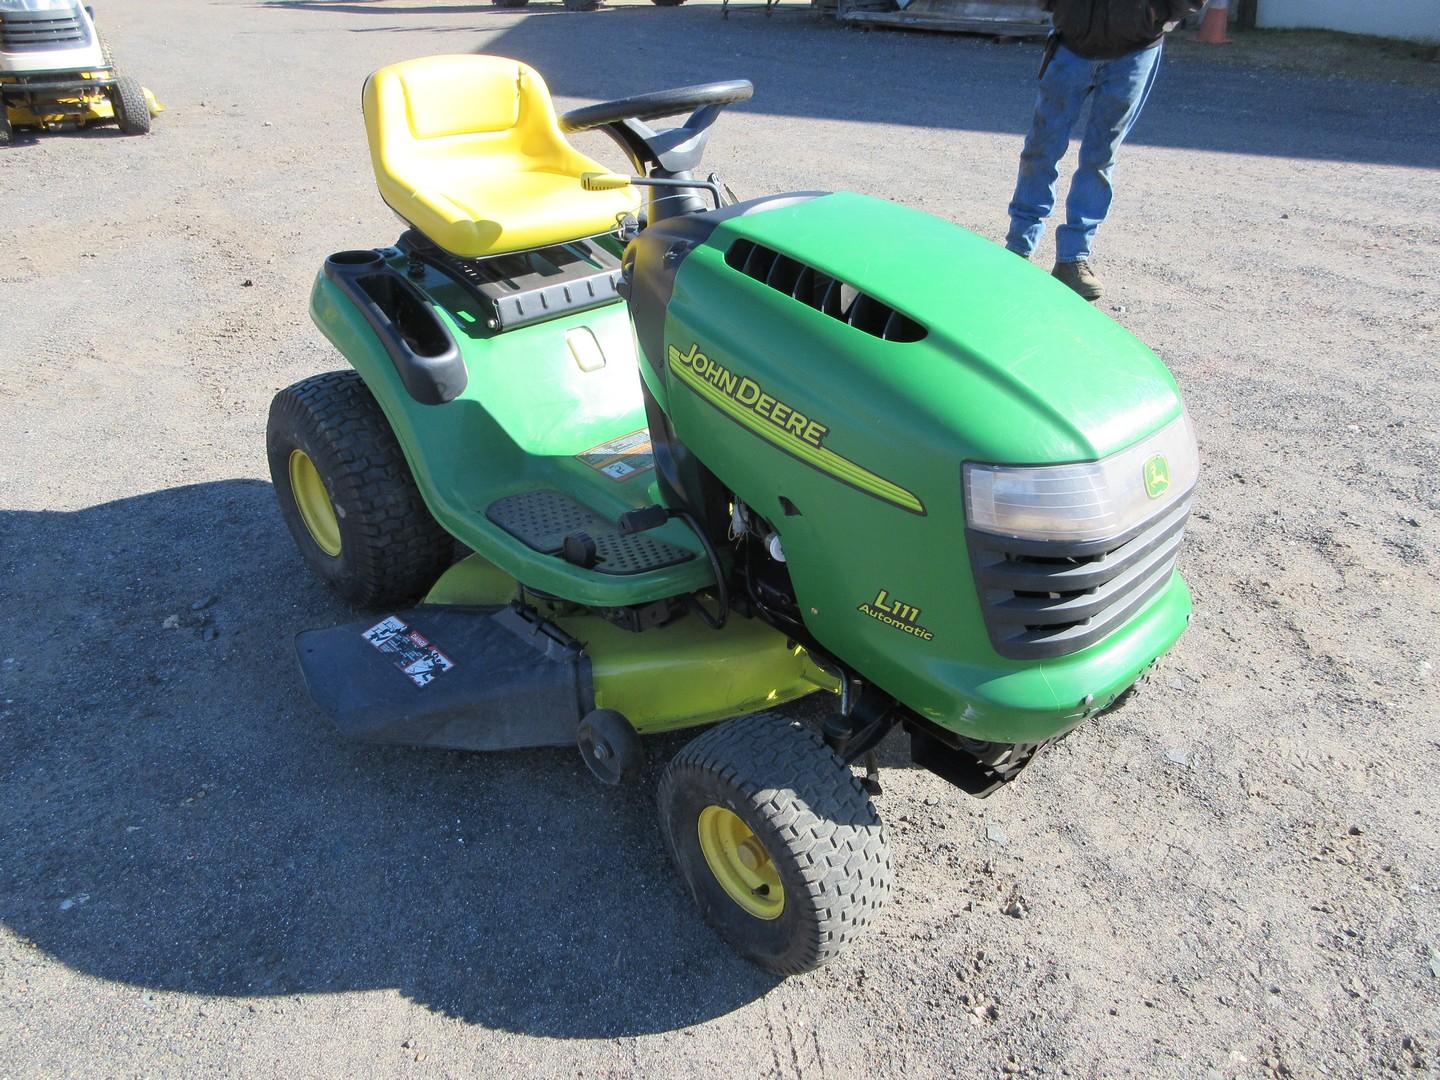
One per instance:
(401, 548)
(791, 779)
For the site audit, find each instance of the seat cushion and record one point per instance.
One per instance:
(467, 149)
(489, 215)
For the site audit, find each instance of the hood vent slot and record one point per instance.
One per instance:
(822, 292)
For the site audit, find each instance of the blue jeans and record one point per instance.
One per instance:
(1117, 90)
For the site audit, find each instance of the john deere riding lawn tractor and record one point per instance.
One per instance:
(650, 459)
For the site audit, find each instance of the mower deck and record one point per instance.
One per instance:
(457, 678)
(469, 669)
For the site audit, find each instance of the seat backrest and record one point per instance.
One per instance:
(482, 110)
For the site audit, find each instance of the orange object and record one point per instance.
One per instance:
(1212, 28)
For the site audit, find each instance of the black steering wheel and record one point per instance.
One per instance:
(658, 105)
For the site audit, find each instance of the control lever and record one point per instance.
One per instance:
(643, 519)
(599, 181)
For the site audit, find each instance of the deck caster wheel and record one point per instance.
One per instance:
(610, 747)
(776, 840)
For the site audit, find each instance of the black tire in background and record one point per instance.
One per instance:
(7, 133)
(132, 112)
(667, 3)
(815, 821)
(391, 549)
(509, 3)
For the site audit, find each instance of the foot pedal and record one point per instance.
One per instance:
(543, 519)
(579, 549)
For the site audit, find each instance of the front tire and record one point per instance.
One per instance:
(780, 846)
(132, 111)
(347, 496)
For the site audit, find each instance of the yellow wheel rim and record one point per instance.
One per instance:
(313, 502)
(740, 863)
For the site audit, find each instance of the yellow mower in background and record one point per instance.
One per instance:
(57, 72)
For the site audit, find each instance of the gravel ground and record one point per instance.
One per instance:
(1236, 875)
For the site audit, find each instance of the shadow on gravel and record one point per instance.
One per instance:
(813, 68)
(178, 817)
(33, 137)
(816, 68)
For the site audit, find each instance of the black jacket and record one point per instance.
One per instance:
(1105, 29)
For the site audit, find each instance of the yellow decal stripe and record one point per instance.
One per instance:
(827, 461)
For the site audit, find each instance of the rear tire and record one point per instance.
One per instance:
(132, 111)
(821, 870)
(378, 546)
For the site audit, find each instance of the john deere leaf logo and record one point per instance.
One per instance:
(1157, 476)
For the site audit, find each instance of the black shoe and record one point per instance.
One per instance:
(1079, 277)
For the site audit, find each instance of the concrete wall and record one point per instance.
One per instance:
(1418, 20)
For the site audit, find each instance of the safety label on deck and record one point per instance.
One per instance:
(409, 650)
(622, 458)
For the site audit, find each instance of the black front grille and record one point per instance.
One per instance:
(1045, 598)
(822, 292)
(36, 31)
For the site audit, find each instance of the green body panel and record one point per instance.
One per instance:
(1014, 369)
(526, 414)
(673, 677)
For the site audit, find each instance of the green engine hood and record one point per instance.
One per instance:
(1049, 378)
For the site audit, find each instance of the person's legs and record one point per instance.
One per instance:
(1062, 92)
(1122, 86)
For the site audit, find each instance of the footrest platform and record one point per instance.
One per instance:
(542, 519)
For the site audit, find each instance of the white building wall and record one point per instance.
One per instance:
(1418, 20)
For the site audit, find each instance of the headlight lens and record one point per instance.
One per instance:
(1091, 501)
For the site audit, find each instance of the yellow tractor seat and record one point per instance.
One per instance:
(467, 149)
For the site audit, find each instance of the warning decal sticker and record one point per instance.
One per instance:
(622, 458)
(409, 650)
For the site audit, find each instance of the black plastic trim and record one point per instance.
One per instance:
(520, 288)
(1088, 590)
(823, 292)
(419, 345)
(977, 768)
(515, 681)
(27, 89)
